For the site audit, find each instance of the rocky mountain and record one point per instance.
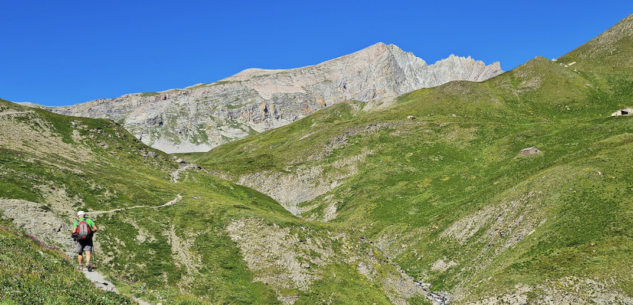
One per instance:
(204, 116)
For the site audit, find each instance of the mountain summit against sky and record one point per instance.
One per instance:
(204, 116)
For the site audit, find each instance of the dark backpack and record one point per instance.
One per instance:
(83, 230)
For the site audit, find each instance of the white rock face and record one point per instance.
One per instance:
(204, 116)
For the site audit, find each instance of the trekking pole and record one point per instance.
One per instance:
(72, 253)
(94, 255)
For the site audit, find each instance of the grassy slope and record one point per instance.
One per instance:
(119, 176)
(444, 188)
(181, 254)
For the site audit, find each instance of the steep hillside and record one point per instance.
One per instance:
(436, 181)
(204, 116)
(171, 232)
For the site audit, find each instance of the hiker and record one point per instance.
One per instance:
(83, 230)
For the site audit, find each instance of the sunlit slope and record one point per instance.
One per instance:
(214, 241)
(69, 163)
(437, 182)
(537, 92)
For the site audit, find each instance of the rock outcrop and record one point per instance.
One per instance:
(203, 116)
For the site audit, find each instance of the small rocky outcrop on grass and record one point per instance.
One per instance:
(39, 220)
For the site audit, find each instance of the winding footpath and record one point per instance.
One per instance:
(176, 173)
(176, 200)
(99, 279)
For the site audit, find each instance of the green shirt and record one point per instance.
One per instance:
(89, 221)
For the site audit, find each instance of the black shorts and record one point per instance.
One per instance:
(85, 245)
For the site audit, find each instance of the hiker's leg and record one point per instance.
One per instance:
(79, 251)
(88, 250)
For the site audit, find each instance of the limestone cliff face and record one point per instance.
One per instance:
(201, 117)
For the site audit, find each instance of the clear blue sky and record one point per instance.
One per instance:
(71, 51)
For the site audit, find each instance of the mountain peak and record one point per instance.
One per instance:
(256, 100)
(369, 53)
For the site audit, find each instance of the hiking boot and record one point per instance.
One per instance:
(90, 268)
(80, 268)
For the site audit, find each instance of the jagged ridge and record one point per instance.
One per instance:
(201, 117)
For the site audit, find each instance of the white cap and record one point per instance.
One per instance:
(81, 213)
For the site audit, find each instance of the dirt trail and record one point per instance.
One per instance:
(176, 173)
(52, 225)
(176, 200)
(99, 280)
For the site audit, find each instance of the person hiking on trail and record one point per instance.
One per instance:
(83, 229)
